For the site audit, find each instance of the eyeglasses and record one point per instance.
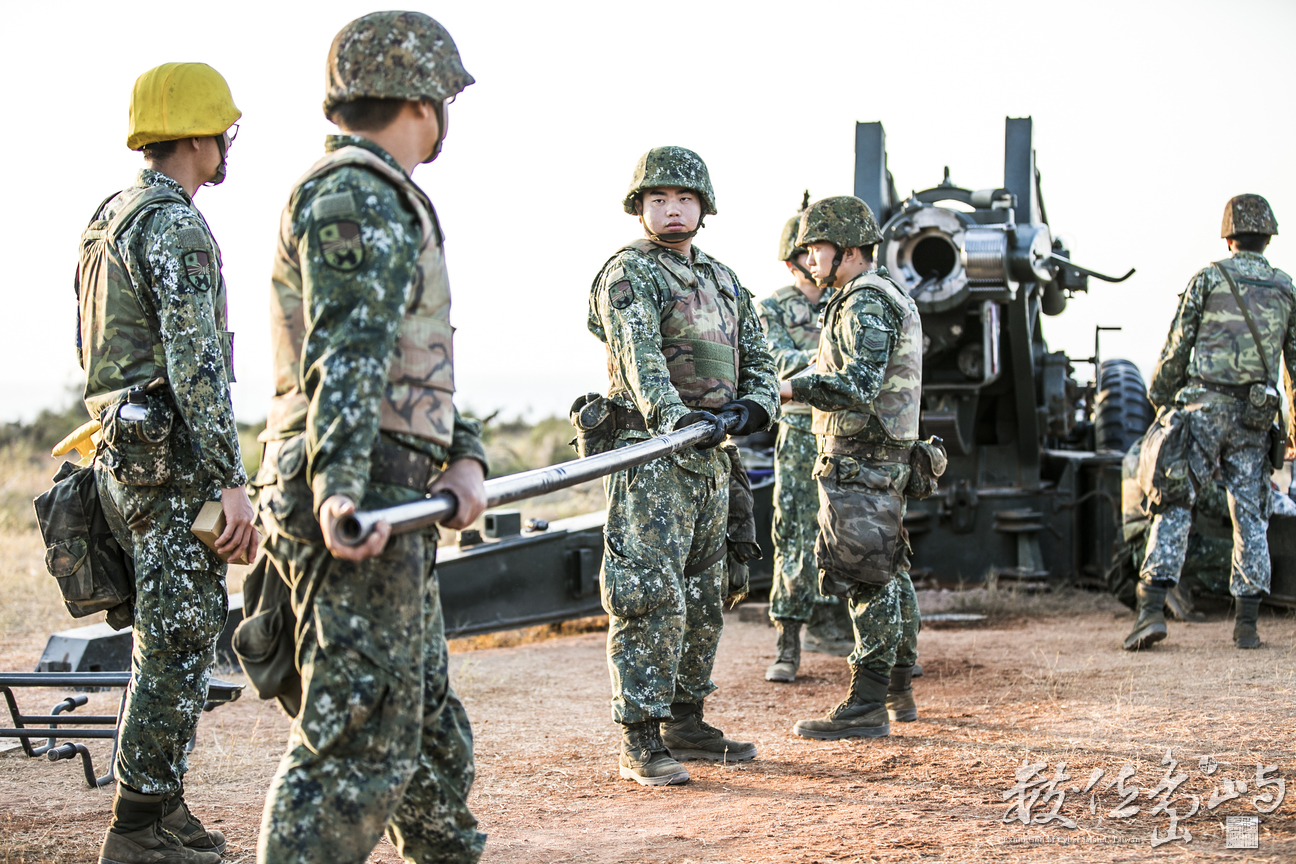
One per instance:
(230, 134)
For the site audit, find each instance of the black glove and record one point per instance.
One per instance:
(717, 437)
(751, 416)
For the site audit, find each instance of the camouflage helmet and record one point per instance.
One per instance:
(1248, 214)
(393, 55)
(671, 166)
(842, 220)
(788, 248)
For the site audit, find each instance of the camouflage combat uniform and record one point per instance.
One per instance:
(1210, 349)
(360, 320)
(864, 397)
(170, 324)
(792, 324)
(681, 335)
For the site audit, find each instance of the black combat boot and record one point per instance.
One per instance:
(900, 704)
(688, 736)
(788, 661)
(644, 758)
(136, 836)
(1180, 603)
(186, 828)
(1245, 634)
(1150, 627)
(862, 714)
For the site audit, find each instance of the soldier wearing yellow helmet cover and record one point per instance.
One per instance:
(158, 364)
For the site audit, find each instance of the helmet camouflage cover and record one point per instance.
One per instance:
(671, 166)
(393, 55)
(1248, 214)
(842, 220)
(788, 248)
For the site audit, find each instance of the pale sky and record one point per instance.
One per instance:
(1148, 118)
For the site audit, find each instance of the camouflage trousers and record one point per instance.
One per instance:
(863, 554)
(180, 609)
(664, 626)
(796, 506)
(1217, 439)
(381, 741)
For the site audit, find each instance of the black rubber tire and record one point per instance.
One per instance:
(1122, 413)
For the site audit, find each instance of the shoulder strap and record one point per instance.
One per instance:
(352, 155)
(146, 200)
(1246, 314)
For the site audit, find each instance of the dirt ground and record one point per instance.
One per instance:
(997, 695)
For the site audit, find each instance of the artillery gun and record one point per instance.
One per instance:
(1032, 489)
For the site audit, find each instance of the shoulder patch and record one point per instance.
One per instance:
(873, 309)
(341, 245)
(875, 339)
(192, 238)
(198, 269)
(337, 204)
(621, 294)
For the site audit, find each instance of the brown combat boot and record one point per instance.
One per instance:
(1150, 627)
(185, 827)
(900, 704)
(135, 836)
(862, 714)
(788, 661)
(1245, 628)
(645, 759)
(687, 736)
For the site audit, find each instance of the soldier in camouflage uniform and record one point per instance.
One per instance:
(683, 344)
(791, 320)
(865, 394)
(363, 416)
(158, 366)
(1213, 370)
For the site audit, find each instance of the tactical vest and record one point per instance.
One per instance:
(898, 402)
(699, 330)
(1225, 352)
(803, 325)
(120, 346)
(420, 380)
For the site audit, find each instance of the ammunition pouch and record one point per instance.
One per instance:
(1261, 407)
(264, 640)
(136, 450)
(592, 415)
(740, 533)
(1163, 472)
(93, 572)
(927, 462)
(1277, 446)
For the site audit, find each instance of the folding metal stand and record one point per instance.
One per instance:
(60, 716)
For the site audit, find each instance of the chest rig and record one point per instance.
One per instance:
(898, 402)
(417, 399)
(1225, 351)
(699, 329)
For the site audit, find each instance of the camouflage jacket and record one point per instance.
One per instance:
(792, 325)
(867, 333)
(1207, 318)
(163, 251)
(352, 315)
(631, 318)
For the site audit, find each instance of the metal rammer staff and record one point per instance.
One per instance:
(405, 518)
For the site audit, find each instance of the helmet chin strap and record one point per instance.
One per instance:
(673, 236)
(220, 169)
(436, 148)
(804, 272)
(832, 274)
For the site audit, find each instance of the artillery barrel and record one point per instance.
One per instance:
(404, 518)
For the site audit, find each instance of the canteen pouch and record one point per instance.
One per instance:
(1163, 472)
(93, 572)
(1260, 407)
(595, 424)
(264, 640)
(927, 462)
(136, 439)
(287, 505)
(740, 533)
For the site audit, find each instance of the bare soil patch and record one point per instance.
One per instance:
(1051, 689)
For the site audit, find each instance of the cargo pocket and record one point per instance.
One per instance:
(66, 562)
(287, 507)
(632, 590)
(136, 438)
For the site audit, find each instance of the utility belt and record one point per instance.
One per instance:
(389, 463)
(1241, 392)
(840, 445)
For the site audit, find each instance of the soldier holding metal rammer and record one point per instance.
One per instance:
(1220, 367)
(865, 394)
